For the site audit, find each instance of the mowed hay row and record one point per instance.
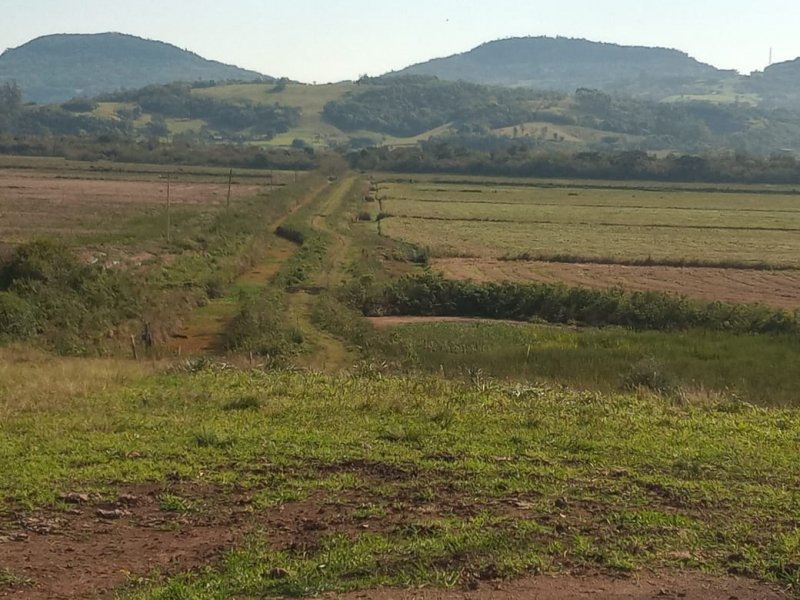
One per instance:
(779, 289)
(594, 196)
(697, 217)
(598, 242)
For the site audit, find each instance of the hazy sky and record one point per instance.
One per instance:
(330, 40)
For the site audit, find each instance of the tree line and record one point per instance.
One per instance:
(515, 160)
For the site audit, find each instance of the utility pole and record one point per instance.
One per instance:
(169, 216)
(230, 181)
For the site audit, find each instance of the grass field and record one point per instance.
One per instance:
(597, 242)
(757, 369)
(493, 221)
(388, 482)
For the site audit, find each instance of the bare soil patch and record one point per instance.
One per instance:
(779, 289)
(684, 586)
(93, 547)
(90, 550)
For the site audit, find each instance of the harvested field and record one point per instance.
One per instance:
(780, 289)
(611, 223)
(612, 242)
(33, 204)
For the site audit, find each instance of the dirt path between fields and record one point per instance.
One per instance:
(328, 353)
(201, 333)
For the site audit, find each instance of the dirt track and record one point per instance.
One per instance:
(780, 289)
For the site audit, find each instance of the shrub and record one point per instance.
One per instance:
(259, 328)
(431, 294)
(649, 374)
(47, 291)
(17, 317)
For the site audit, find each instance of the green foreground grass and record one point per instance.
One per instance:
(442, 483)
(698, 364)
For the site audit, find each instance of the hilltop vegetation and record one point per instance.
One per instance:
(778, 85)
(56, 68)
(658, 74)
(564, 64)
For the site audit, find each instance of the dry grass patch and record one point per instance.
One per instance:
(32, 380)
(779, 289)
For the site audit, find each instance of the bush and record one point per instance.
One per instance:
(17, 317)
(649, 374)
(259, 328)
(46, 290)
(432, 295)
(79, 105)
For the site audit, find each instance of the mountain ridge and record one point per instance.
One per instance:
(565, 64)
(55, 68)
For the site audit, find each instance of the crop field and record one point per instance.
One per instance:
(609, 226)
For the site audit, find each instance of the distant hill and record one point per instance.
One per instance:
(56, 68)
(564, 65)
(778, 85)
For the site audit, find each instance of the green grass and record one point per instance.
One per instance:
(9, 579)
(756, 369)
(310, 99)
(481, 480)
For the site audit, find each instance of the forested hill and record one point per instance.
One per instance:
(778, 86)
(56, 68)
(564, 64)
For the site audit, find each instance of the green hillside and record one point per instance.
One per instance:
(395, 111)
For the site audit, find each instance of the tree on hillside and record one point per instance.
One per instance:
(10, 104)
